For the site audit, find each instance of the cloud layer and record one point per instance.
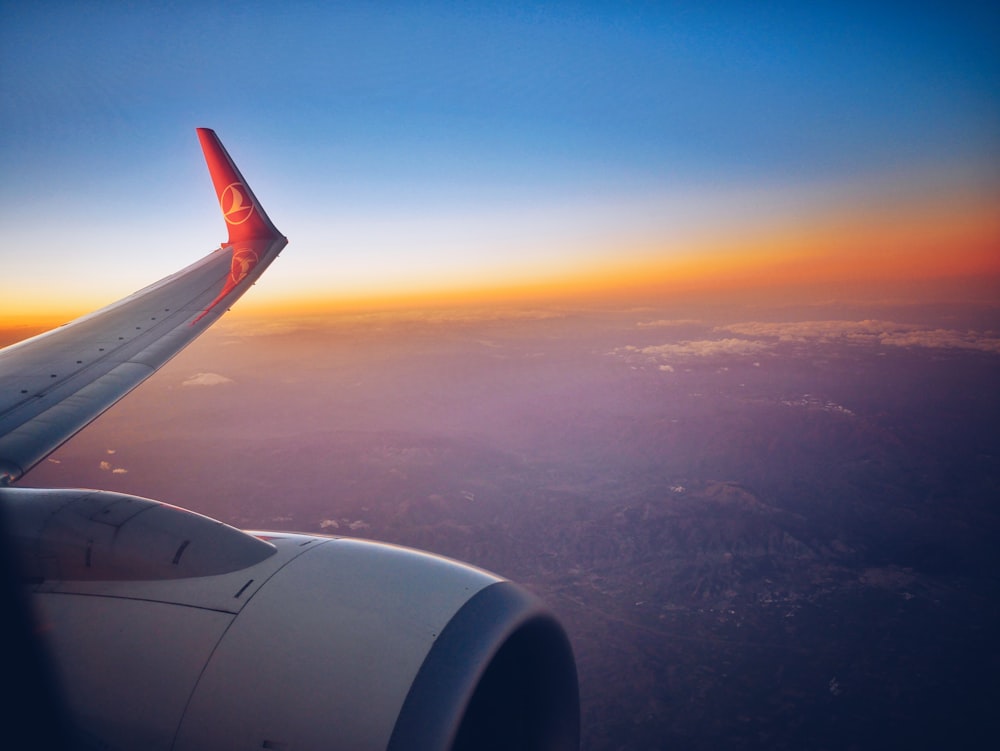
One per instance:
(868, 332)
(206, 379)
(755, 337)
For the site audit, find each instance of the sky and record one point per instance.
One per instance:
(501, 152)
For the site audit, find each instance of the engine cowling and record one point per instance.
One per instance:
(316, 643)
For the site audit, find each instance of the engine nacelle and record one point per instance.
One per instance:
(316, 643)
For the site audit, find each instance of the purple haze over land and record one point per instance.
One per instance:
(762, 528)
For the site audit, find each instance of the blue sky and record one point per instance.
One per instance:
(415, 142)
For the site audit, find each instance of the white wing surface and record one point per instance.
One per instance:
(54, 384)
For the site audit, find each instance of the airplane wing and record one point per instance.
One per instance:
(164, 629)
(54, 384)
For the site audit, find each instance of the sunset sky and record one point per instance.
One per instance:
(420, 152)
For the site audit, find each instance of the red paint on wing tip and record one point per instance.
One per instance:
(243, 262)
(251, 233)
(243, 214)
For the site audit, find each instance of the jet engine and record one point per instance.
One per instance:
(171, 630)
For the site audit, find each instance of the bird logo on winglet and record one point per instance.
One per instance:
(244, 260)
(236, 203)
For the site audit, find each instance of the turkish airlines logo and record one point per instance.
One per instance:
(244, 260)
(236, 203)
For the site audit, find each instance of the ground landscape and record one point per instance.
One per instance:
(763, 529)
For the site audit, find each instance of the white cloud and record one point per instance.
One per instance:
(329, 524)
(803, 331)
(119, 471)
(944, 339)
(753, 337)
(666, 323)
(105, 466)
(705, 348)
(868, 332)
(206, 379)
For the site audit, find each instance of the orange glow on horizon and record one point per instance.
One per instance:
(909, 248)
(931, 250)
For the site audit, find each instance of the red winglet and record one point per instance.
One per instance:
(252, 237)
(243, 214)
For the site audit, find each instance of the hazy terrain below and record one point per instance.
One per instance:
(762, 529)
